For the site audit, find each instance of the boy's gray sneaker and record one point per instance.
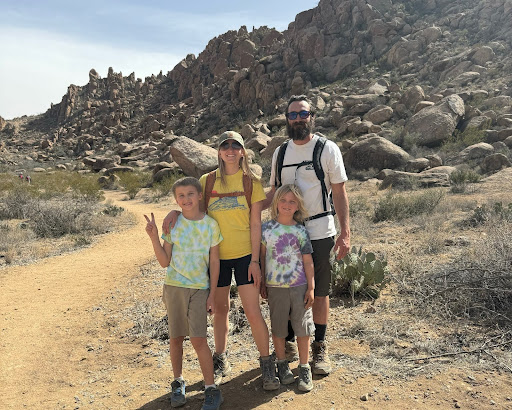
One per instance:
(305, 378)
(221, 367)
(284, 373)
(212, 399)
(321, 361)
(178, 393)
(268, 373)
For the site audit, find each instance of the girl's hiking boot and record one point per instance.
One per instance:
(321, 361)
(178, 393)
(284, 373)
(305, 382)
(212, 399)
(268, 373)
(221, 367)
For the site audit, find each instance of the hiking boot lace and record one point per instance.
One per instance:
(304, 374)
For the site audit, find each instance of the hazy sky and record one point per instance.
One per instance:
(46, 45)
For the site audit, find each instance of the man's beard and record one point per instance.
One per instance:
(299, 130)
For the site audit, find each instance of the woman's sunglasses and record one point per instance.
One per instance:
(226, 145)
(302, 114)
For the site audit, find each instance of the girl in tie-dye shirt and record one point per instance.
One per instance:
(289, 280)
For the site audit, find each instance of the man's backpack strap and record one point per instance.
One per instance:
(320, 174)
(208, 188)
(279, 163)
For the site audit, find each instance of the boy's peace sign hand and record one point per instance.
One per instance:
(151, 228)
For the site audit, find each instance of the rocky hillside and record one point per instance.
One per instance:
(392, 82)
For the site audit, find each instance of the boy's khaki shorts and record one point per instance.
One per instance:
(186, 311)
(288, 303)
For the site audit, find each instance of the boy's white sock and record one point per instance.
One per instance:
(180, 379)
(210, 385)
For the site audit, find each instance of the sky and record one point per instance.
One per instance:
(47, 45)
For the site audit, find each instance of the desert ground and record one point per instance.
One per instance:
(68, 340)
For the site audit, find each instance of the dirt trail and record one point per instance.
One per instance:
(44, 309)
(59, 350)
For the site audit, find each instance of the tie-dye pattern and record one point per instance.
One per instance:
(191, 242)
(285, 246)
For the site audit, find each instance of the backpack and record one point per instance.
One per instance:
(317, 165)
(210, 182)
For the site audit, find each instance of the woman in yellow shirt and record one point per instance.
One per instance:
(240, 226)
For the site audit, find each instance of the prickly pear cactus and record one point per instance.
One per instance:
(360, 272)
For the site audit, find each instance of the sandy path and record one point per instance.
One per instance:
(42, 307)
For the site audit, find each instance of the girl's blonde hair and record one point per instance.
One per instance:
(301, 213)
(244, 164)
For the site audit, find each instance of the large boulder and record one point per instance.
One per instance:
(411, 180)
(495, 162)
(194, 159)
(379, 114)
(435, 124)
(375, 152)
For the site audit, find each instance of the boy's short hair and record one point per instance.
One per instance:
(187, 181)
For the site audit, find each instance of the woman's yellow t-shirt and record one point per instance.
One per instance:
(232, 214)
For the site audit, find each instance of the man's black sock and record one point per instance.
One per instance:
(291, 333)
(320, 332)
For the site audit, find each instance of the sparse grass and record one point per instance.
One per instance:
(164, 187)
(400, 206)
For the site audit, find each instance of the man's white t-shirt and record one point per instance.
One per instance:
(305, 178)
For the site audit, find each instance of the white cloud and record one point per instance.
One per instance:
(37, 67)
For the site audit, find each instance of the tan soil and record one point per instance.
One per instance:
(63, 344)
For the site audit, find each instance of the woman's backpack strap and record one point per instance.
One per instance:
(208, 188)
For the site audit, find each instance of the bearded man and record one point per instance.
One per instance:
(298, 169)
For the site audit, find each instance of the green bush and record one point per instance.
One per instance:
(484, 213)
(460, 140)
(400, 206)
(163, 188)
(461, 177)
(133, 182)
(359, 272)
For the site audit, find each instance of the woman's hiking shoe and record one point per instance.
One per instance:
(212, 399)
(284, 373)
(305, 382)
(221, 367)
(268, 373)
(178, 393)
(290, 350)
(321, 361)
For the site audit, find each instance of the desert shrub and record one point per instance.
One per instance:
(460, 140)
(52, 219)
(400, 206)
(163, 188)
(359, 205)
(461, 177)
(16, 203)
(113, 210)
(359, 272)
(485, 213)
(56, 184)
(478, 285)
(133, 182)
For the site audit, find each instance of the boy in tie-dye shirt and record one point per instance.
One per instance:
(190, 252)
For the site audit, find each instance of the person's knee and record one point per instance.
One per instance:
(253, 314)
(198, 343)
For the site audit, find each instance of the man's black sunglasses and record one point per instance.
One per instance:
(302, 114)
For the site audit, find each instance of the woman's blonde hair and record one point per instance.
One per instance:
(301, 213)
(244, 164)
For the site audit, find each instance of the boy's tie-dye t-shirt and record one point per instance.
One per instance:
(285, 246)
(191, 242)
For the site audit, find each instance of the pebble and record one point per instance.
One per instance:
(364, 397)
